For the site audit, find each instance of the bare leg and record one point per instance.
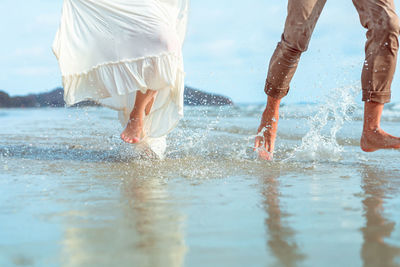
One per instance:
(269, 125)
(373, 137)
(133, 131)
(149, 105)
(300, 22)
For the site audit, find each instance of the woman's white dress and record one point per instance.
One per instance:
(109, 49)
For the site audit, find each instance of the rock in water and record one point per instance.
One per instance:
(55, 98)
(195, 97)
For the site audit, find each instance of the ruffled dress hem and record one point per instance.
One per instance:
(114, 85)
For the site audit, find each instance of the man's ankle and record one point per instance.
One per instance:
(371, 128)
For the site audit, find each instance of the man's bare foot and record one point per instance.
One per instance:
(372, 140)
(264, 145)
(265, 141)
(133, 131)
(373, 137)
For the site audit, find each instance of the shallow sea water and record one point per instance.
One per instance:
(72, 194)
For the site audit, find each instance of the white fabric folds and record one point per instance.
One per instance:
(109, 49)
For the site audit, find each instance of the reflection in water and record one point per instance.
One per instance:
(375, 251)
(281, 236)
(143, 229)
(161, 241)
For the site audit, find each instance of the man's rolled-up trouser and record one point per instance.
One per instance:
(382, 24)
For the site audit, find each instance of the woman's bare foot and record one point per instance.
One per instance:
(265, 141)
(133, 131)
(373, 137)
(372, 140)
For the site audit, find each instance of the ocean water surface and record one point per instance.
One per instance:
(72, 194)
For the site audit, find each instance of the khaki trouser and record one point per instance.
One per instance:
(377, 16)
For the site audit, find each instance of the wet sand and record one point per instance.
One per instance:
(74, 195)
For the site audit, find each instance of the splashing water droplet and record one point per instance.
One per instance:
(320, 143)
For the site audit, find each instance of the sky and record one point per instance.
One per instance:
(227, 48)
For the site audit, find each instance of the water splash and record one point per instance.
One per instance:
(193, 135)
(320, 141)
